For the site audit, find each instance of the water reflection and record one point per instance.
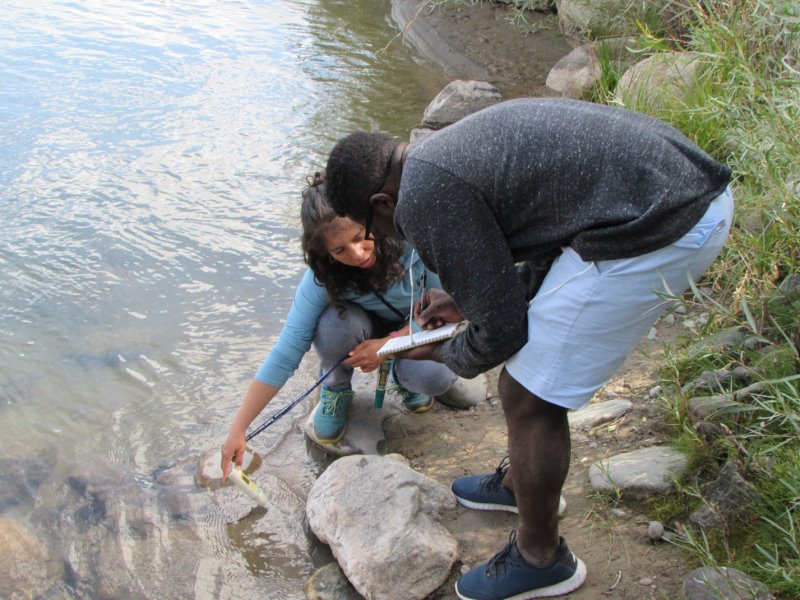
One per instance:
(151, 156)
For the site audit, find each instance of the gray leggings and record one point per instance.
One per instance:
(336, 336)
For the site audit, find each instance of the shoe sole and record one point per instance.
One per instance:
(562, 506)
(420, 410)
(325, 441)
(557, 589)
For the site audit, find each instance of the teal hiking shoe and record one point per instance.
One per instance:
(330, 419)
(412, 401)
(508, 576)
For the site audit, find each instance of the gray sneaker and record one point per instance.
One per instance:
(508, 576)
(487, 492)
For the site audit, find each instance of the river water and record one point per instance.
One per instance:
(151, 157)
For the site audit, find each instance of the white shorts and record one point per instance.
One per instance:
(587, 317)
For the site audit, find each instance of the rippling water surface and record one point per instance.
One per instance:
(151, 157)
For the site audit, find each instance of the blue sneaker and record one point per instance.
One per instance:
(331, 416)
(508, 576)
(487, 492)
(412, 401)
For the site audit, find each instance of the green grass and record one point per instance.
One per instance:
(745, 111)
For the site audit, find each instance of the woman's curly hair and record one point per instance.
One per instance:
(337, 278)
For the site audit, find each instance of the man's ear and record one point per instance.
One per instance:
(383, 203)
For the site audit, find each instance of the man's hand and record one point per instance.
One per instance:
(423, 352)
(439, 309)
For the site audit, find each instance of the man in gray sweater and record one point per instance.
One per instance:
(623, 207)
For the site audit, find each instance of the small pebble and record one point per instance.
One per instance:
(681, 309)
(592, 445)
(464, 569)
(655, 391)
(655, 530)
(668, 319)
(618, 512)
(646, 581)
(652, 334)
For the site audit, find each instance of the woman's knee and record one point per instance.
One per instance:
(345, 329)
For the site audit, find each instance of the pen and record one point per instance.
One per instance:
(422, 291)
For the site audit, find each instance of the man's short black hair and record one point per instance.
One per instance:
(356, 169)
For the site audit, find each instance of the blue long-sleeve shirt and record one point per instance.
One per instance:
(311, 299)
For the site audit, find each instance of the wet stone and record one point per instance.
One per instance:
(364, 433)
(329, 583)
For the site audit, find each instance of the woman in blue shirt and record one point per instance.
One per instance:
(355, 293)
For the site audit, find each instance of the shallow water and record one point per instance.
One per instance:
(151, 157)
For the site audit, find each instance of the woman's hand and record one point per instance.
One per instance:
(232, 450)
(439, 309)
(364, 356)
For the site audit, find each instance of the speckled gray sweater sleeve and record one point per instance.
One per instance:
(522, 179)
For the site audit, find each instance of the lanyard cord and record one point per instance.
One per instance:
(292, 404)
(391, 306)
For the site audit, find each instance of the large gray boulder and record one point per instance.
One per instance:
(592, 19)
(379, 518)
(576, 74)
(457, 100)
(650, 84)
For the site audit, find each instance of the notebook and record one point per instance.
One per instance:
(429, 336)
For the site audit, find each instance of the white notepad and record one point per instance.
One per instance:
(429, 336)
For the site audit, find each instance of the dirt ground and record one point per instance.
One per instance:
(480, 42)
(444, 444)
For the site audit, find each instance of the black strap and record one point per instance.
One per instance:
(389, 304)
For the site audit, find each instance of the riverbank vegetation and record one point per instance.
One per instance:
(744, 109)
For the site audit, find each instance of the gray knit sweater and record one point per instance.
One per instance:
(520, 180)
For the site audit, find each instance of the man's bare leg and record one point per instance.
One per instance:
(539, 451)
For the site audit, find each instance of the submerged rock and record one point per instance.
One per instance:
(26, 567)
